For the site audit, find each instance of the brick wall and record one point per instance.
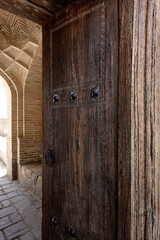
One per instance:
(24, 122)
(30, 146)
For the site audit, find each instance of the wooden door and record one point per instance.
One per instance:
(80, 122)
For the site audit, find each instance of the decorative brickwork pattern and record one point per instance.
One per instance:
(21, 72)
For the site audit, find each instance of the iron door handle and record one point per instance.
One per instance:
(49, 157)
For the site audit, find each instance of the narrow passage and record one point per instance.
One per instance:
(20, 211)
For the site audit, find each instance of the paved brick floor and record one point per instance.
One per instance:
(20, 212)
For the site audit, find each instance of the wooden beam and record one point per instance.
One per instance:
(27, 10)
(36, 6)
(36, 10)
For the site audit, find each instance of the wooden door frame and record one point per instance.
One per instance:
(139, 89)
(138, 120)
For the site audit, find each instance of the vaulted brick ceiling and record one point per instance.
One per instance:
(20, 39)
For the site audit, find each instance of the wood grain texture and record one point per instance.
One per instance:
(80, 190)
(41, 11)
(156, 125)
(51, 5)
(145, 176)
(138, 117)
(139, 120)
(124, 119)
(36, 10)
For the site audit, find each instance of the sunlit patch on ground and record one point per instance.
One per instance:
(3, 145)
(3, 169)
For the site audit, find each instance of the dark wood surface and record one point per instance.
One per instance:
(36, 10)
(52, 5)
(80, 189)
(126, 9)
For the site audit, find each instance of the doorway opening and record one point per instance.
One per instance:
(6, 145)
(21, 71)
(21, 113)
(3, 129)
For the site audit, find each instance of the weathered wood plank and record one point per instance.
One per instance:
(124, 119)
(139, 120)
(156, 126)
(80, 190)
(145, 189)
